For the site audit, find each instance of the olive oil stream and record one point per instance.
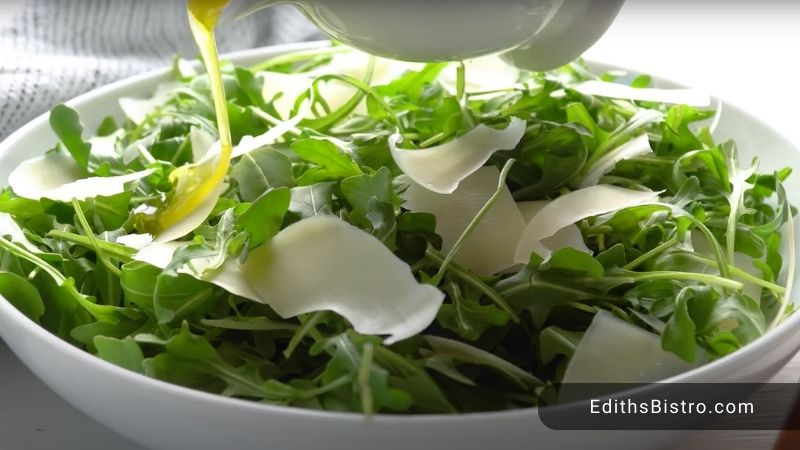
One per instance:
(196, 184)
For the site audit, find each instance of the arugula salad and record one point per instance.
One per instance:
(399, 238)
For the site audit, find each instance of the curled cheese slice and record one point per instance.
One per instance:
(490, 247)
(615, 351)
(135, 241)
(10, 228)
(249, 143)
(58, 177)
(569, 236)
(325, 264)
(202, 142)
(637, 146)
(441, 168)
(137, 109)
(571, 208)
(690, 97)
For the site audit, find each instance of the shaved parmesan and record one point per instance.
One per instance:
(490, 247)
(58, 177)
(249, 143)
(105, 147)
(190, 222)
(690, 97)
(325, 264)
(571, 208)
(135, 241)
(202, 142)
(137, 109)
(615, 351)
(441, 168)
(637, 146)
(569, 236)
(10, 229)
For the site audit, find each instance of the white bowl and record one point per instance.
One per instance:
(165, 416)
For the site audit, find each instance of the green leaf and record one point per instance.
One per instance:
(330, 163)
(548, 159)
(66, 123)
(122, 352)
(359, 190)
(679, 334)
(738, 314)
(111, 211)
(308, 201)
(21, 208)
(373, 204)
(251, 86)
(467, 317)
(107, 127)
(190, 359)
(555, 341)
(22, 295)
(264, 217)
(576, 261)
(262, 170)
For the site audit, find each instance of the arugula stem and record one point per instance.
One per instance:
(722, 260)
(272, 120)
(325, 388)
(522, 287)
(432, 140)
(584, 307)
(308, 324)
(460, 94)
(467, 277)
(20, 252)
(474, 223)
(117, 251)
(367, 401)
(739, 273)
(87, 230)
(654, 252)
(99, 312)
(689, 276)
(290, 58)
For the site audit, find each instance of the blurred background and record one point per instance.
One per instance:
(53, 50)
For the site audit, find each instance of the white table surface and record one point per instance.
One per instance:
(738, 53)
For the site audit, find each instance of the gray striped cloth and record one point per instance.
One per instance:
(53, 50)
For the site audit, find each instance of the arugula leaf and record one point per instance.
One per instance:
(122, 352)
(261, 170)
(330, 163)
(679, 333)
(22, 295)
(263, 218)
(66, 123)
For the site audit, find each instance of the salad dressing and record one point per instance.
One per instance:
(195, 183)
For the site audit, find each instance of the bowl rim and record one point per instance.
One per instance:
(769, 339)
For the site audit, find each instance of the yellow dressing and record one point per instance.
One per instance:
(195, 183)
